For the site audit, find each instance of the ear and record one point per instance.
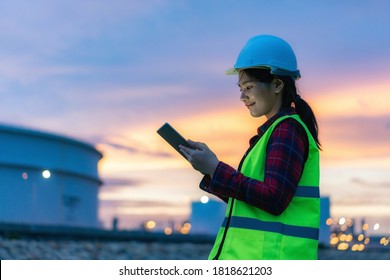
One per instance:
(278, 85)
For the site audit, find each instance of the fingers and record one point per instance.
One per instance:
(189, 153)
(186, 151)
(198, 145)
(200, 157)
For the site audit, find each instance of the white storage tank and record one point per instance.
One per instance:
(47, 179)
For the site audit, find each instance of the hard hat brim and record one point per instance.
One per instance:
(235, 71)
(231, 71)
(295, 74)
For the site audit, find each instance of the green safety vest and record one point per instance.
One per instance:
(250, 233)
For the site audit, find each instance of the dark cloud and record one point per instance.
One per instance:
(364, 183)
(130, 149)
(135, 203)
(134, 150)
(120, 182)
(361, 201)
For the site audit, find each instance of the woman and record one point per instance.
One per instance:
(273, 199)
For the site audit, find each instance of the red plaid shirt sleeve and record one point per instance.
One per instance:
(286, 154)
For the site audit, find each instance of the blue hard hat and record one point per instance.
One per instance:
(267, 51)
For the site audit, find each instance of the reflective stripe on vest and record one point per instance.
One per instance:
(277, 227)
(305, 191)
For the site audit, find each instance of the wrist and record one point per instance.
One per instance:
(213, 168)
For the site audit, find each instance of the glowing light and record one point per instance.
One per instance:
(342, 221)
(384, 241)
(365, 227)
(361, 237)
(204, 199)
(346, 238)
(358, 247)
(334, 241)
(46, 174)
(376, 226)
(25, 175)
(343, 246)
(167, 231)
(149, 225)
(185, 229)
(329, 221)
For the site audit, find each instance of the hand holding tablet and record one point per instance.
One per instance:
(174, 138)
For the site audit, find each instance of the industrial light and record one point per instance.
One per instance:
(46, 174)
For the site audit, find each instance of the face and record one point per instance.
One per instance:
(262, 99)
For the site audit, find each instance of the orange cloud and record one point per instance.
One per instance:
(359, 99)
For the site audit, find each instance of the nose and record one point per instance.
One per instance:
(243, 96)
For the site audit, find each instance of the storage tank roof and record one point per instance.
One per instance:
(47, 135)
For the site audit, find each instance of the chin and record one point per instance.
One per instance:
(255, 115)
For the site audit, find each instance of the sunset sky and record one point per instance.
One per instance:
(110, 73)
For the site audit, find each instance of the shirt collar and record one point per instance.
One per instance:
(283, 112)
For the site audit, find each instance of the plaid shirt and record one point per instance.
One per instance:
(287, 151)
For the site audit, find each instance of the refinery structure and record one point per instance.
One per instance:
(47, 179)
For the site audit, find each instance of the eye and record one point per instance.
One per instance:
(246, 86)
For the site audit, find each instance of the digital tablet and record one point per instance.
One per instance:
(173, 137)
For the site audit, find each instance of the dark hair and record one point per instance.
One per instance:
(290, 97)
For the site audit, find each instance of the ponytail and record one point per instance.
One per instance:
(303, 109)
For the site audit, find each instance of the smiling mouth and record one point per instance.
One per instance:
(250, 104)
